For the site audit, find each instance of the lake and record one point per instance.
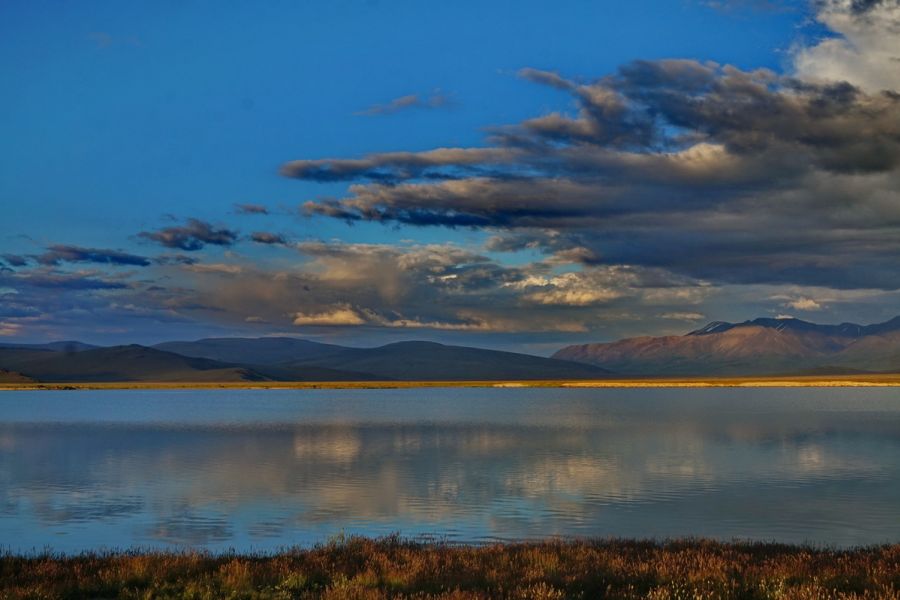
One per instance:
(264, 469)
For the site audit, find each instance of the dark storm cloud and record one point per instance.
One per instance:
(701, 169)
(57, 254)
(265, 237)
(251, 209)
(192, 236)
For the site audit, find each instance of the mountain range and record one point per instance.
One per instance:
(759, 347)
(763, 346)
(275, 359)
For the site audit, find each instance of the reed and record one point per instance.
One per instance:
(396, 568)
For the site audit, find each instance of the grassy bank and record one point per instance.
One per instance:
(875, 380)
(394, 568)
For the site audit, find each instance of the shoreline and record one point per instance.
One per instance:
(393, 567)
(888, 380)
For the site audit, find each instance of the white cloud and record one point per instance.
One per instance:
(339, 315)
(9, 329)
(683, 316)
(803, 304)
(866, 52)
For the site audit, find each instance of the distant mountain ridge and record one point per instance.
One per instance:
(118, 363)
(267, 351)
(283, 358)
(276, 359)
(844, 329)
(763, 346)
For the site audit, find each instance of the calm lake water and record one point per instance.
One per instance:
(259, 470)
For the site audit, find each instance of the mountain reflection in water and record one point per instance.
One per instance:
(253, 470)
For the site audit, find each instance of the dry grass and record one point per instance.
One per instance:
(394, 568)
(874, 380)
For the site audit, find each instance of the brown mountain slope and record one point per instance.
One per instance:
(13, 377)
(874, 353)
(751, 348)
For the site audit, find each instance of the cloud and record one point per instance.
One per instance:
(341, 314)
(651, 196)
(251, 209)
(8, 329)
(436, 99)
(15, 260)
(229, 269)
(703, 170)
(393, 166)
(175, 259)
(265, 237)
(803, 304)
(683, 316)
(48, 279)
(101, 39)
(344, 314)
(192, 236)
(58, 253)
(439, 287)
(549, 78)
(602, 285)
(866, 50)
(105, 40)
(761, 5)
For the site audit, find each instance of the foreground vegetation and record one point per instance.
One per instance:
(395, 568)
(869, 380)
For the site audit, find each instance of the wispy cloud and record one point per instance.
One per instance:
(192, 236)
(436, 99)
(267, 237)
(251, 209)
(103, 39)
(59, 253)
(15, 260)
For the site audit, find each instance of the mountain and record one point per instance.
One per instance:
(796, 325)
(262, 351)
(758, 347)
(118, 363)
(13, 377)
(431, 361)
(64, 346)
(280, 359)
(292, 358)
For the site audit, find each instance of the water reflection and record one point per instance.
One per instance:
(598, 464)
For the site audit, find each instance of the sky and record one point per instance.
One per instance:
(518, 175)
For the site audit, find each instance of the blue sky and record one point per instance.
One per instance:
(123, 118)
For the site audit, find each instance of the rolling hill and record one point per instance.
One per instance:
(757, 347)
(262, 351)
(431, 361)
(291, 358)
(281, 359)
(118, 363)
(13, 377)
